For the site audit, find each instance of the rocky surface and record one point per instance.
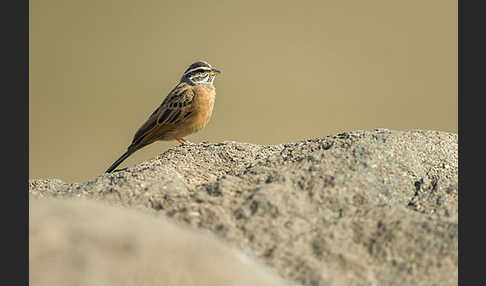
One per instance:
(372, 207)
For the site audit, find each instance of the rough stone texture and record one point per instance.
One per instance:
(372, 207)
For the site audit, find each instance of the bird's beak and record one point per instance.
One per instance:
(215, 72)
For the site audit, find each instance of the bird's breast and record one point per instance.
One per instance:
(202, 108)
(203, 104)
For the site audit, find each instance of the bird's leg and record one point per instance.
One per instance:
(185, 142)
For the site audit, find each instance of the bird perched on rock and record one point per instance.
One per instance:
(185, 110)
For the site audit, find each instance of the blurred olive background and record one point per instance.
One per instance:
(291, 70)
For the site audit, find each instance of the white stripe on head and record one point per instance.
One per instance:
(195, 69)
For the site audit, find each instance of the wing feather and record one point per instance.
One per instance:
(177, 106)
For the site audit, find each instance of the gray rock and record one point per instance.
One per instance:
(372, 207)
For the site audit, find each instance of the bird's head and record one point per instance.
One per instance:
(200, 72)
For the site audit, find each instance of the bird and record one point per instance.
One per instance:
(186, 109)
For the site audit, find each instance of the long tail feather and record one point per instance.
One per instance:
(119, 161)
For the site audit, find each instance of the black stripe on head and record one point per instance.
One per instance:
(199, 66)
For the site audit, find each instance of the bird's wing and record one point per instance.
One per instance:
(177, 106)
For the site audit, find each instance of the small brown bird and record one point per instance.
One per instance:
(187, 109)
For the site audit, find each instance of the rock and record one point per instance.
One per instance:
(79, 242)
(372, 207)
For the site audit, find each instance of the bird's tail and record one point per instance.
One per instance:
(119, 161)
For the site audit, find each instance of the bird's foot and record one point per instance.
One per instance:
(187, 143)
